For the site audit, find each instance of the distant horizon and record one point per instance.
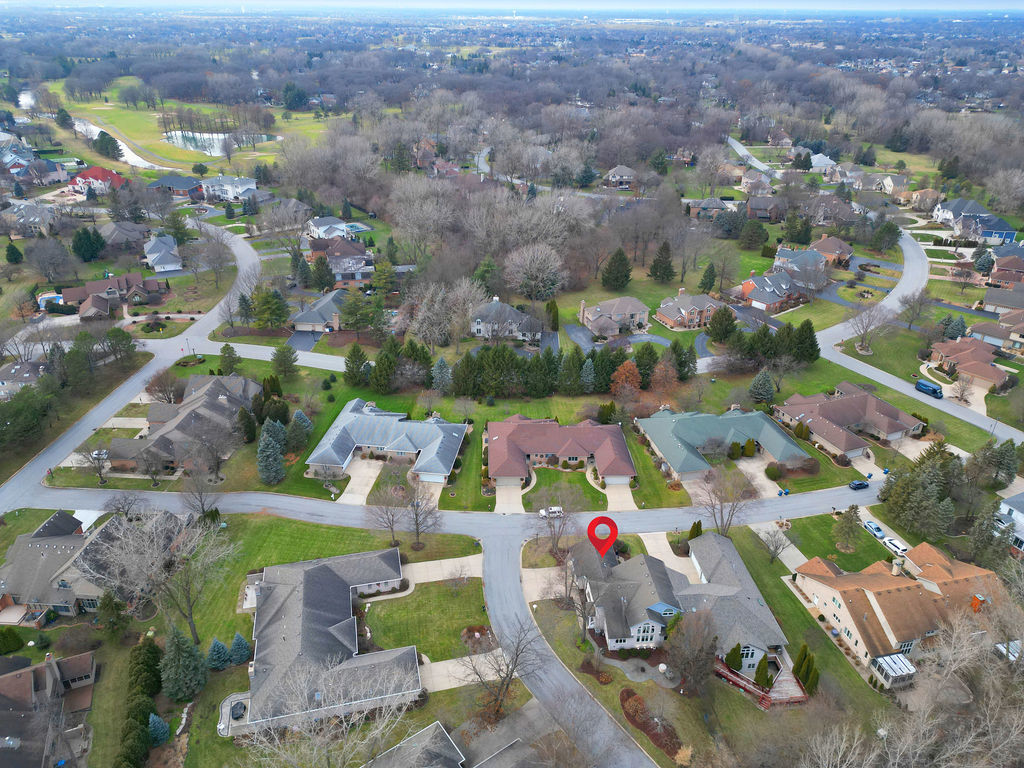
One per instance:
(605, 9)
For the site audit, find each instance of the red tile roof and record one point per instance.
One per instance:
(113, 178)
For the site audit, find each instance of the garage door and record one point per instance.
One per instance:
(758, 304)
(432, 478)
(508, 481)
(616, 480)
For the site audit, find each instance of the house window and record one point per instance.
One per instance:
(572, 458)
(848, 633)
(746, 652)
(836, 619)
(907, 646)
(836, 603)
(90, 605)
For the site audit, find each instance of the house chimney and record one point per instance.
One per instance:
(753, 272)
(897, 563)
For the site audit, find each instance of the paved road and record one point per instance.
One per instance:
(743, 152)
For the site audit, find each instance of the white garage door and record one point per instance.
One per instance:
(616, 480)
(427, 477)
(758, 304)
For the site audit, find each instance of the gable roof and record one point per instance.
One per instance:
(681, 304)
(323, 309)
(834, 416)
(176, 182)
(833, 246)
(60, 523)
(679, 437)
(364, 424)
(430, 747)
(121, 232)
(162, 250)
(498, 313)
(620, 305)
(97, 173)
(512, 440)
(304, 620)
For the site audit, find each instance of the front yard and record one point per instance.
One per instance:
(813, 536)
(652, 489)
(432, 618)
(551, 483)
(821, 312)
(894, 351)
(191, 296)
(829, 474)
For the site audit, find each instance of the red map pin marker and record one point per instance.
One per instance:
(602, 545)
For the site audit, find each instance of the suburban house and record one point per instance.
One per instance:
(123, 234)
(209, 407)
(228, 187)
(28, 218)
(829, 210)
(623, 314)
(708, 208)
(765, 208)
(777, 137)
(969, 358)
(821, 163)
(1002, 300)
(323, 315)
(988, 228)
(101, 298)
(99, 180)
(800, 263)
(179, 186)
(687, 311)
(306, 660)
(730, 173)
(497, 320)
(326, 227)
(948, 211)
(843, 173)
(161, 254)
(337, 247)
(31, 694)
(885, 612)
(682, 440)
(1011, 513)
(631, 603)
(1007, 332)
(620, 177)
(517, 444)
(17, 374)
(41, 172)
(835, 250)
(57, 567)
(838, 420)
(754, 178)
(430, 747)
(432, 445)
(1008, 269)
(925, 200)
(770, 292)
(293, 207)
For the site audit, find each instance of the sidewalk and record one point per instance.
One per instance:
(657, 546)
(470, 566)
(791, 557)
(451, 673)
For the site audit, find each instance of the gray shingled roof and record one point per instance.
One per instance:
(162, 250)
(505, 315)
(322, 310)
(304, 617)
(679, 437)
(61, 523)
(430, 747)
(364, 424)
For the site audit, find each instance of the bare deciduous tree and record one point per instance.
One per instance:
(422, 513)
(495, 672)
(776, 542)
(198, 497)
(962, 388)
(720, 498)
(913, 306)
(386, 507)
(868, 322)
(124, 503)
(95, 458)
(165, 387)
(535, 271)
(690, 650)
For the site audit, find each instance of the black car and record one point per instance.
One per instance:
(238, 710)
(859, 485)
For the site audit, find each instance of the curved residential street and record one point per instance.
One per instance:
(501, 536)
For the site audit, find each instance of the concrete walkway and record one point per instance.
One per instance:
(126, 422)
(508, 500)
(657, 546)
(541, 583)
(447, 674)
(791, 557)
(470, 566)
(364, 474)
(620, 498)
(753, 469)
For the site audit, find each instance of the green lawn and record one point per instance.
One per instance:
(263, 341)
(948, 291)
(263, 540)
(82, 477)
(821, 312)
(172, 328)
(652, 489)
(205, 746)
(19, 521)
(134, 410)
(104, 435)
(108, 704)
(71, 408)
(829, 475)
(814, 538)
(537, 551)
(189, 295)
(431, 618)
(555, 481)
(837, 675)
(939, 253)
(894, 351)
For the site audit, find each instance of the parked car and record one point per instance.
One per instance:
(550, 512)
(929, 389)
(895, 546)
(859, 485)
(101, 454)
(874, 529)
(238, 710)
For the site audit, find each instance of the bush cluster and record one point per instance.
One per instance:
(143, 685)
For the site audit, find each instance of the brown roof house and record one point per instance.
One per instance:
(885, 613)
(925, 199)
(101, 298)
(517, 444)
(1007, 332)
(837, 421)
(971, 358)
(623, 314)
(687, 311)
(765, 208)
(835, 250)
(29, 695)
(210, 406)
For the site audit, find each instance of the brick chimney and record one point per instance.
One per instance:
(897, 564)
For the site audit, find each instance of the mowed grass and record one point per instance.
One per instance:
(829, 475)
(205, 746)
(822, 312)
(948, 291)
(189, 295)
(814, 537)
(537, 551)
(553, 483)
(431, 618)
(264, 540)
(837, 675)
(894, 351)
(652, 488)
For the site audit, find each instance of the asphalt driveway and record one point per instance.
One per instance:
(303, 341)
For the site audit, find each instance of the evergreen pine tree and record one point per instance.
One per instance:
(301, 418)
(804, 346)
(229, 359)
(18, 190)
(812, 682)
(762, 390)
(270, 455)
(159, 730)
(801, 655)
(14, 256)
(229, 211)
(752, 235)
(303, 274)
(218, 657)
(355, 362)
(246, 310)
(297, 437)
(183, 669)
(696, 529)
(323, 277)
(284, 361)
(662, 270)
(441, 376)
(722, 324)
(734, 658)
(587, 376)
(761, 673)
(847, 528)
(957, 328)
(617, 272)
(246, 425)
(382, 373)
(240, 650)
(646, 357)
(707, 280)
